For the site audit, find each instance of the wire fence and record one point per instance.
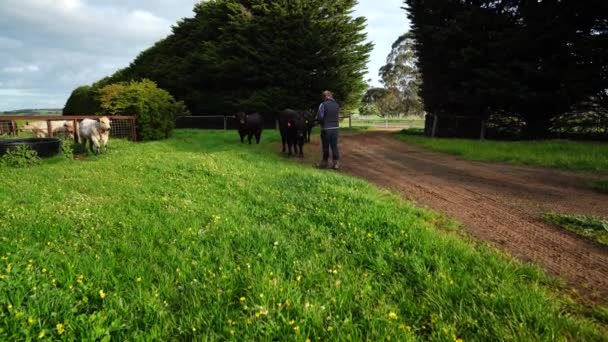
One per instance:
(384, 122)
(62, 126)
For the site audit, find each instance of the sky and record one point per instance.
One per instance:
(49, 47)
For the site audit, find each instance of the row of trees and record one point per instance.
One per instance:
(254, 55)
(534, 62)
(401, 83)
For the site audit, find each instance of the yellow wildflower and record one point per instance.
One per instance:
(261, 295)
(138, 279)
(458, 340)
(307, 340)
(44, 270)
(8, 269)
(262, 312)
(330, 328)
(102, 294)
(405, 327)
(296, 330)
(298, 278)
(41, 334)
(60, 328)
(392, 315)
(242, 299)
(291, 322)
(30, 320)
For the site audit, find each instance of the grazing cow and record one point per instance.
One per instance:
(309, 123)
(250, 125)
(40, 128)
(96, 133)
(292, 126)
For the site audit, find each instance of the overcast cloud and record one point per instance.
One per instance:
(49, 47)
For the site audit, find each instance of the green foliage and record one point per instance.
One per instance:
(67, 148)
(154, 108)
(561, 154)
(592, 227)
(192, 238)
(401, 78)
(259, 55)
(82, 101)
(533, 59)
(20, 156)
(368, 109)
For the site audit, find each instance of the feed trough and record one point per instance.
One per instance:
(45, 147)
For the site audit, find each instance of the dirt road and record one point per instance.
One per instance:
(497, 203)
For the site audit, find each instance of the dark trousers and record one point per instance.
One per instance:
(329, 139)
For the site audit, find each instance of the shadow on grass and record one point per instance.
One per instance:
(601, 186)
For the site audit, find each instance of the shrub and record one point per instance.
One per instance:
(67, 148)
(155, 109)
(83, 100)
(20, 156)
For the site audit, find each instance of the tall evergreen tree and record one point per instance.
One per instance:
(532, 59)
(258, 55)
(400, 76)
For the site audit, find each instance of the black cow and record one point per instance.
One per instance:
(292, 126)
(250, 125)
(309, 123)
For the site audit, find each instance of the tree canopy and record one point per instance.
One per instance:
(258, 55)
(532, 59)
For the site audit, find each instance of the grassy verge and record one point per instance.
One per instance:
(601, 186)
(200, 237)
(567, 155)
(592, 227)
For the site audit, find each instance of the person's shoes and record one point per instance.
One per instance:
(322, 165)
(336, 165)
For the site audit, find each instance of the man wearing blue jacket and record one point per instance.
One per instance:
(329, 117)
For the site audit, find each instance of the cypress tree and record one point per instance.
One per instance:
(259, 55)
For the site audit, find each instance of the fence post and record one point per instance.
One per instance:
(14, 128)
(133, 130)
(435, 121)
(49, 128)
(225, 123)
(482, 135)
(76, 133)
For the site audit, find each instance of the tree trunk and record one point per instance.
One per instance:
(537, 127)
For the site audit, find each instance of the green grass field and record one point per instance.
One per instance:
(594, 228)
(568, 155)
(200, 237)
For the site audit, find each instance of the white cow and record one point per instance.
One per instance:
(40, 128)
(96, 133)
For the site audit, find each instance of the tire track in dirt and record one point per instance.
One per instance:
(498, 203)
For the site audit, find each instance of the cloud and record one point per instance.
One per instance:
(386, 21)
(49, 47)
(20, 69)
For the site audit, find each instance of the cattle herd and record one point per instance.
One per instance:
(295, 127)
(95, 132)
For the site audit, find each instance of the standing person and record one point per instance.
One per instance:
(329, 118)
